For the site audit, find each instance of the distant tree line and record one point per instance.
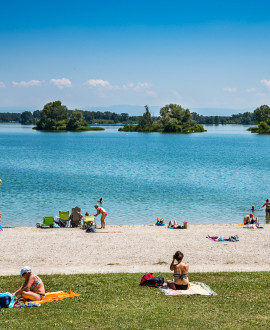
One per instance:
(7, 117)
(246, 118)
(91, 117)
(171, 118)
(107, 117)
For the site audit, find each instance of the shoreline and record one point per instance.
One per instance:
(133, 249)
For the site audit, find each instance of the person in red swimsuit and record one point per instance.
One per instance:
(102, 211)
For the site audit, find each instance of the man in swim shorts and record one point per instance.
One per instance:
(248, 218)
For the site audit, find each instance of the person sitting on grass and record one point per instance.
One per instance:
(180, 270)
(174, 225)
(32, 288)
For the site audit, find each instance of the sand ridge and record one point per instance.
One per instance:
(132, 248)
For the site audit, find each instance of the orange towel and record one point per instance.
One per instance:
(54, 296)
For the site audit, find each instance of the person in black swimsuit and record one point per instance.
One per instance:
(180, 271)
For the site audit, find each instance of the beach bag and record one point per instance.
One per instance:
(150, 280)
(234, 238)
(4, 300)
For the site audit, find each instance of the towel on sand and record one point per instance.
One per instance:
(234, 238)
(54, 296)
(195, 288)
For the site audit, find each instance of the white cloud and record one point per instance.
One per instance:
(103, 85)
(265, 82)
(98, 83)
(137, 87)
(251, 90)
(151, 93)
(230, 89)
(2, 85)
(26, 83)
(61, 83)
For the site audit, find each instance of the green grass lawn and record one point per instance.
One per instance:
(116, 301)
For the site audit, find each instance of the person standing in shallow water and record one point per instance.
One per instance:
(102, 211)
(267, 207)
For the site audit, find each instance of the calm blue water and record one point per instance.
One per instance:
(211, 177)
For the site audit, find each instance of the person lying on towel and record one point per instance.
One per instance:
(180, 271)
(32, 288)
(174, 225)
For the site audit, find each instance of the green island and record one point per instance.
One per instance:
(116, 301)
(262, 114)
(54, 118)
(173, 119)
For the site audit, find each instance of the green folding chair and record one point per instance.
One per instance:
(64, 219)
(48, 221)
(90, 222)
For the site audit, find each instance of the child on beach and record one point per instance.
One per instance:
(83, 224)
(32, 288)
(180, 273)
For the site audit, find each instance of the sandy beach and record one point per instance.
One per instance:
(130, 249)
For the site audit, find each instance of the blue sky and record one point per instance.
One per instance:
(200, 54)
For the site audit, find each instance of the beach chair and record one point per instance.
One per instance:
(48, 221)
(90, 223)
(76, 217)
(64, 220)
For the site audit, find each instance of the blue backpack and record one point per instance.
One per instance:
(5, 300)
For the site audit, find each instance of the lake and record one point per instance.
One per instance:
(212, 177)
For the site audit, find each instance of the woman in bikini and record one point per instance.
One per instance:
(103, 214)
(180, 270)
(32, 288)
(267, 207)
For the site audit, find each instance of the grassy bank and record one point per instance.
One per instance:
(113, 301)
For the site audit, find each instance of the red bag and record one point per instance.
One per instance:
(150, 280)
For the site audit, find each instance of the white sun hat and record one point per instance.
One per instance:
(25, 269)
